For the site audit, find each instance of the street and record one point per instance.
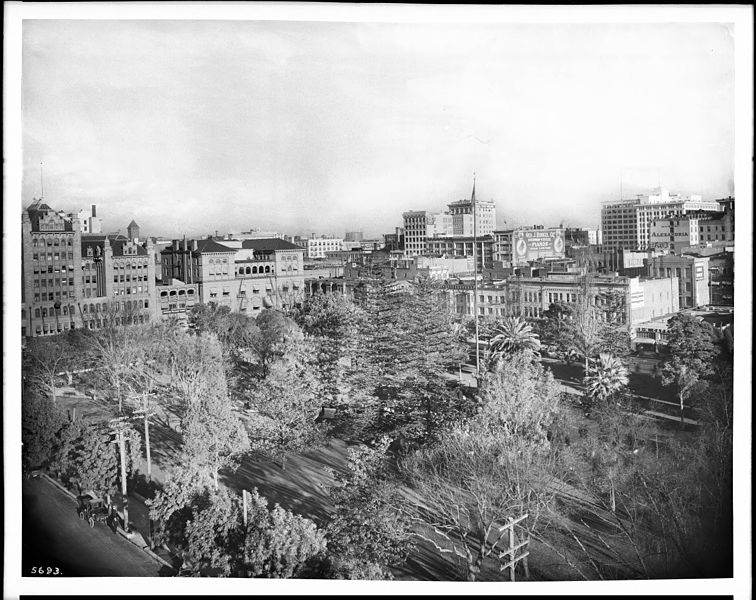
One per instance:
(54, 537)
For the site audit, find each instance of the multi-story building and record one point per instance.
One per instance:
(317, 247)
(72, 281)
(353, 236)
(463, 247)
(419, 227)
(472, 217)
(692, 273)
(627, 223)
(394, 242)
(245, 275)
(89, 221)
(721, 274)
(515, 247)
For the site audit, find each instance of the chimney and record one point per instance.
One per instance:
(175, 245)
(94, 210)
(194, 245)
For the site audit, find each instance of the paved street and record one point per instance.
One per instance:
(53, 536)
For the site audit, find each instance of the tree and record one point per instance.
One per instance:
(500, 465)
(555, 328)
(94, 461)
(470, 484)
(284, 409)
(684, 377)
(46, 358)
(214, 532)
(277, 543)
(606, 378)
(693, 342)
(43, 429)
(171, 507)
(333, 324)
(367, 533)
(511, 336)
(521, 398)
(276, 334)
(407, 347)
(213, 435)
(694, 350)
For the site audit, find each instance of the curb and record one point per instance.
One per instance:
(120, 530)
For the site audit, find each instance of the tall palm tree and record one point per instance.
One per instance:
(606, 377)
(513, 335)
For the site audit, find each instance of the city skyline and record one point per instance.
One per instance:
(321, 127)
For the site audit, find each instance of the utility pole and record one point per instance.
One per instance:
(146, 412)
(511, 551)
(118, 425)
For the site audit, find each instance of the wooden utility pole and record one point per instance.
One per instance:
(146, 412)
(511, 552)
(118, 425)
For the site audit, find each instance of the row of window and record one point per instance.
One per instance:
(52, 256)
(51, 282)
(181, 292)
(53, 269)
(40, 242)
(127, 277)
(67, 310)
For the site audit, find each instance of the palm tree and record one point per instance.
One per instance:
(606, 377)
(511, 336)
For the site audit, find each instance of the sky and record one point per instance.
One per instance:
(191, 127)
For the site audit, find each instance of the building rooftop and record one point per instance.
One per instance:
(269, 244)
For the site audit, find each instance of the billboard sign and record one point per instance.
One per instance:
(531, 244)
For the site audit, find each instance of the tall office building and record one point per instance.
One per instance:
(71, 281)
(464, 222)
(627, 223)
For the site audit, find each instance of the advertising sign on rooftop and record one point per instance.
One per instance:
(531, 244)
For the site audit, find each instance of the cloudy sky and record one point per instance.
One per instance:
(195, 126)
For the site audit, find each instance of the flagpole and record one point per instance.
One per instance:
(475, 299)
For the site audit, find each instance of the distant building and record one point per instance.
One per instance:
(472, 217)
(255, 234)
(394, 242)
(318, 247)
(353, 236)
(721, 274)
(627, 223)
(419, 227)
(692, 274)
(71, 281)
(463, 247)
(89, 221)
(245, 275)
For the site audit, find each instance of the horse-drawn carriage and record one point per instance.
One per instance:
(93, 510)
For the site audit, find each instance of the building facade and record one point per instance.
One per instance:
(244, 275)
(692, 274)
(318, 247)
(463, 247)
(89, 221)
(71, 280)
(627, 223)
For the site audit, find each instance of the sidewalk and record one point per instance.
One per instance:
(139, 533)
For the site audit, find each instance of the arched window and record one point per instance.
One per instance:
(267, 269)
(44, 313)
(65, 310)
(254, 270)
(36, 313)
